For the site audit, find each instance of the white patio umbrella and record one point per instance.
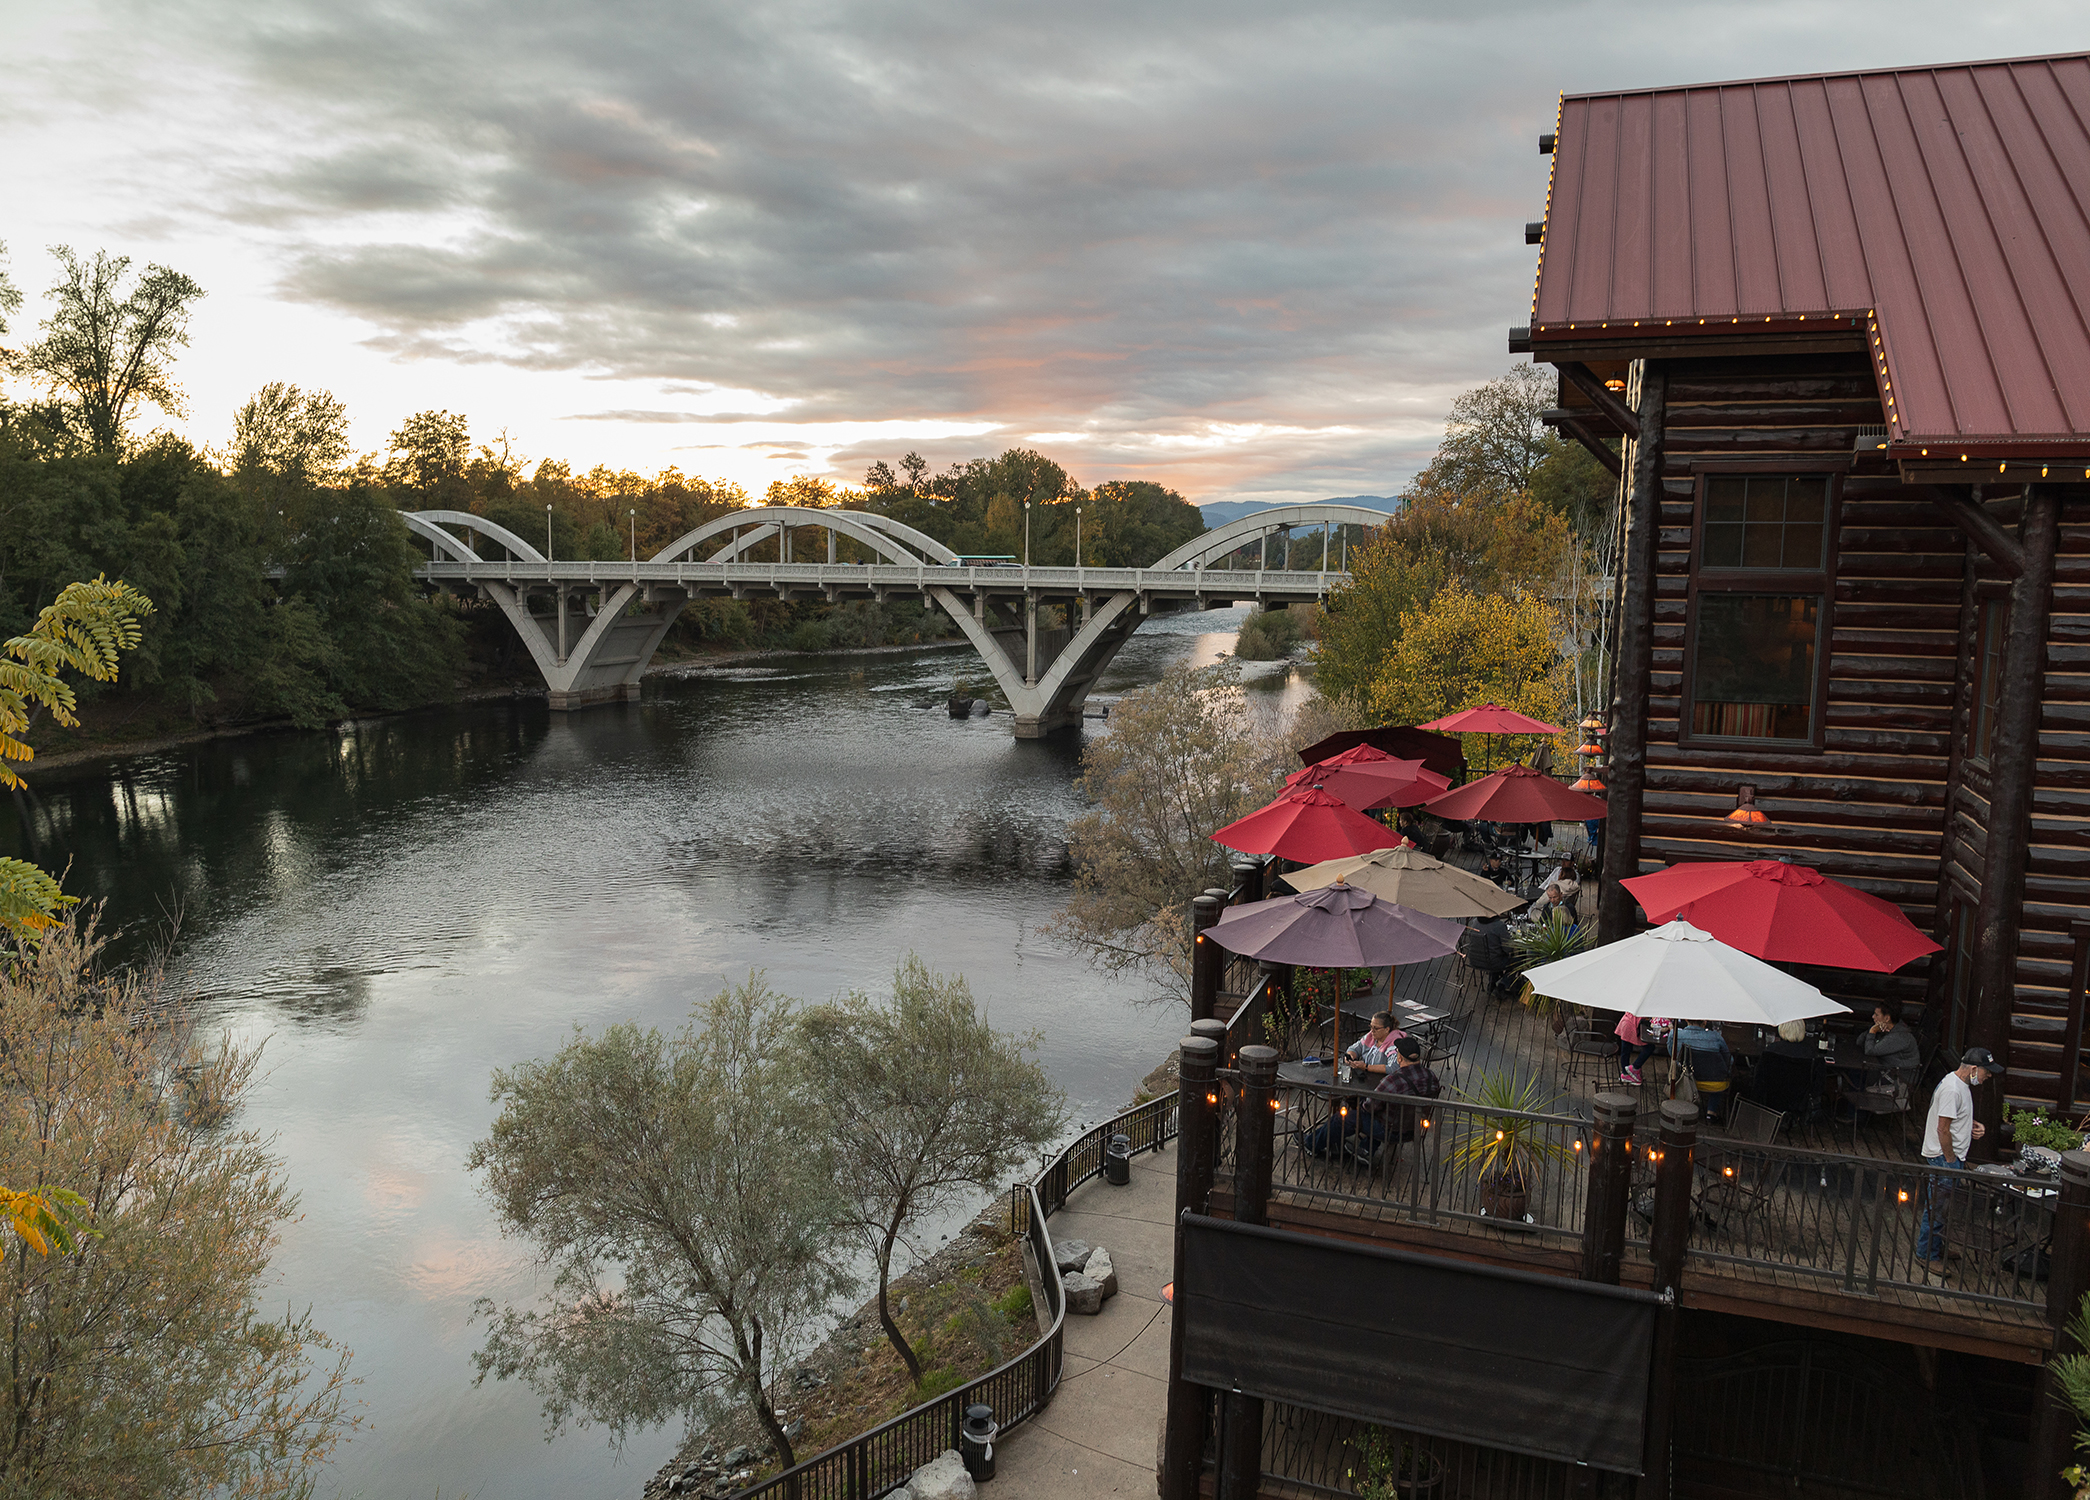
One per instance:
(1685, 974)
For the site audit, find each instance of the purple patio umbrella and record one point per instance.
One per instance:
(1336, 927)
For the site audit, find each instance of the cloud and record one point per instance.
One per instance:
(1240, 250)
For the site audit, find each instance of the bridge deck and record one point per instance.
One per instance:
(876, 578)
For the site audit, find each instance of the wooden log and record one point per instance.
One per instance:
(1842, 789)
(2012, 770)
(1626, 770)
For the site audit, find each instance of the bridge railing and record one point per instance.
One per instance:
(1240, 583)
(879, 1461)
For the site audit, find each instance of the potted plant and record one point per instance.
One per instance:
(1393, 1466)
(1541, 943)
(1507, 1151)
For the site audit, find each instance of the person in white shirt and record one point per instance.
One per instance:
(1373, 1052)
(1949, 1132)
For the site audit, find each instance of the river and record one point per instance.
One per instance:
(399, 906)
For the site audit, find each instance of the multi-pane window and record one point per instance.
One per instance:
(1988, 673)
(1758, 584)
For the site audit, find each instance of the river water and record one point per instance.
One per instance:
(396, 908)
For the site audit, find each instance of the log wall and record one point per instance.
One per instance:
(1873, 805)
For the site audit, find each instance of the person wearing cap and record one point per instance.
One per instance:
(1949, 1132)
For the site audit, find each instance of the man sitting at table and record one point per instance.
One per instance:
(1486, 946)
(1412, 1081)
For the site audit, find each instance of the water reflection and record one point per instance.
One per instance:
(400, 906)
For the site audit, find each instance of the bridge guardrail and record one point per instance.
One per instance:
(879, 1461)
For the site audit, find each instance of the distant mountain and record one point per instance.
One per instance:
(1219, 512)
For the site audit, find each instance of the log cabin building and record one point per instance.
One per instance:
(1839, 329)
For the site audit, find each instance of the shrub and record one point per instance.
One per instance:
(811, 635)
(1267, 635)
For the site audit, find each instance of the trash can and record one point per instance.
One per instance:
(976, 1442)
(1117, 1161)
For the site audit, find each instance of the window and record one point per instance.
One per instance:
(1758, 585)
(1988, 673)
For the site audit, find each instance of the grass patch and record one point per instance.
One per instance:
(1014, 1304)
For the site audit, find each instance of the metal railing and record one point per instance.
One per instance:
(1852, 1222)
(1423, 1161)
(879, 1461)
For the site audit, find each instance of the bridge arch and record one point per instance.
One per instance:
(429, 524)
(1226, 538)
(890, 539)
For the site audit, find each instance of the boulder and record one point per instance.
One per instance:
(1070, 1255)
(942, 1478)
(1083, 1295)
(1101, 1271)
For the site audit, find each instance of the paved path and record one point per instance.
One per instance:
(1101, 1432)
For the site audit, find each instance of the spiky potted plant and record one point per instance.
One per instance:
(1541, 943)
(1507, 1151)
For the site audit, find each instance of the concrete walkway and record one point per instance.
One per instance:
(1102, 1432)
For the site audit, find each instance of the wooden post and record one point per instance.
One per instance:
(1626, 747)
(1255, 1130)
(1207, 958)
(2072, 1038)
(1670, 1240)
(2013, 770)
(1271, 869)
(2053, 1422)
(1610, 1188)
(1197, 1156)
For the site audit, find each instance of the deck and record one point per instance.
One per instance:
(1814, 1225)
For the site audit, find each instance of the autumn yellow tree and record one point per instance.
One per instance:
(1463, 649)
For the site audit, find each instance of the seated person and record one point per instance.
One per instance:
(1372, 1053)
(1896, 1057)
(1496, 871)
(1637, 1039)
(1711, 1060)
(1486, 947)
(1785, 1076)
(1556, 902)
(1395, 1108)
(1563, 874)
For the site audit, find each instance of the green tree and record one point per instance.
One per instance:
(1463, 649)
(1182, 759)
(141, 1363)
(688, 1212)
(284, 436)
(429, 457)
(109, 351)
(924, 1103)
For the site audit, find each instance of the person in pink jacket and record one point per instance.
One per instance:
(1637, 1039)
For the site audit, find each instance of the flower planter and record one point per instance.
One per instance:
(1504, 1200)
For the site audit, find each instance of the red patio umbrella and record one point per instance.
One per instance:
(1489, 719)
(1784, 913)
(1308, 825)
(1366, 778)
(1516, 794)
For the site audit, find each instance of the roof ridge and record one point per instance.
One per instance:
(1736, 83)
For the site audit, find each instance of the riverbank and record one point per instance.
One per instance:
(110, 731)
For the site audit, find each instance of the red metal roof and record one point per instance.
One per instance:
(1947, 209)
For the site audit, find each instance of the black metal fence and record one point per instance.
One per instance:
(1860, 1224)
(1433, 1161)
(879, 1461)
(1309, 1452)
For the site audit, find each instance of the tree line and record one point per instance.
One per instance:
(282, 574)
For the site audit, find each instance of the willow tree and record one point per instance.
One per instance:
(685, 1208)
(925, 1104)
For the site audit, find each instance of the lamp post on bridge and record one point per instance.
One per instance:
(1026, 533)
(547, 531)
(634, 534)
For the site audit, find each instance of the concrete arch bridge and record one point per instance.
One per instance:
(592, 627)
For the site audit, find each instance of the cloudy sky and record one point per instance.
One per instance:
(1247, 250)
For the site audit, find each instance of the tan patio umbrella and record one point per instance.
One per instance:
(1410, 878)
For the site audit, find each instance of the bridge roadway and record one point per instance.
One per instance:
(592, 627)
